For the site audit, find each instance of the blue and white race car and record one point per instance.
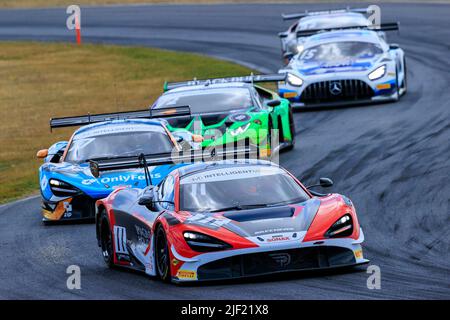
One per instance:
(68, 186)
(344, 67)
(293, 38)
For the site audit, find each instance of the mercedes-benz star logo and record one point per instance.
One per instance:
(335, 88)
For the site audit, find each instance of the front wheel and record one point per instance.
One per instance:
(404, 87)
(397, 86)
(106, 242)
(162, 255)
(291, 130)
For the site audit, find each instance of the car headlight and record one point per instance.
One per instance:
(377, 73)
(341, 228)
(203, 243)
(62, 189)
(294, 80)
(239, 130)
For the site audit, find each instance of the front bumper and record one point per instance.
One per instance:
(265, 260)
(343, 103)
(333, 90)
(70, 209)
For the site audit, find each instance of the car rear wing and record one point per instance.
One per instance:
(293, 16)
(186, 157)
(139, 114)
(391, 26)
(243, 79)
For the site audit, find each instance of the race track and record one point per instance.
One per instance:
(393, 159)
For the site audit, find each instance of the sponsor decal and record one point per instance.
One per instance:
(88, 182)
(240, 117)
(67, 208)
(120, 240)
(230, 174)
(278, 238)
(358, 253)
(44, 183)
(383, 86)
(289, 94)
(63, 208)
(123, 257)
(282, 259)
(286, 229)
(186, 274)
(207, 221)
(175, 262)
(121, 178)
(143, 234)
(119, 128)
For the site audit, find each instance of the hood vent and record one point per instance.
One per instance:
(260, 214)
(211, 119)
(179, 122)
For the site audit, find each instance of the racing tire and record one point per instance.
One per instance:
(405, 74)
(397, 88)
(162, 256)
(291, 145)
(268, 143)
(106, 240)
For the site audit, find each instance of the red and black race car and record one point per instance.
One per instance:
(227, 219)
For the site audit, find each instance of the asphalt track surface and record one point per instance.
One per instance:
(392, 159)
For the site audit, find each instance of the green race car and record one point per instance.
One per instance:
(230, 111)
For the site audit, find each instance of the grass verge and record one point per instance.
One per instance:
(40, 80)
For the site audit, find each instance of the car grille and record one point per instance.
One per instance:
(336, 90)
(255, 264)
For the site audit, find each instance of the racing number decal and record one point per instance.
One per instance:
(308, 54)
(120, 240)
(67, 209)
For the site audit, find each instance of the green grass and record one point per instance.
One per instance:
(40, 80)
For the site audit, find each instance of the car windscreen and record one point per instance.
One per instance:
(118, 145)
(340, 51)
(239, 188)
(328, 22)
(208, 100)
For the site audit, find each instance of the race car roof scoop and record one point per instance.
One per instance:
(260, 214)
(391, 26)
(169, 112)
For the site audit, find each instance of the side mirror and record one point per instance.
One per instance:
(146, 200)
(41, 154)
(147, 197)
(197, 138)
(325, 182)
(274, 103)
(393, 46)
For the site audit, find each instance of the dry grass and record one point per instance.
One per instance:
(38, 81)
